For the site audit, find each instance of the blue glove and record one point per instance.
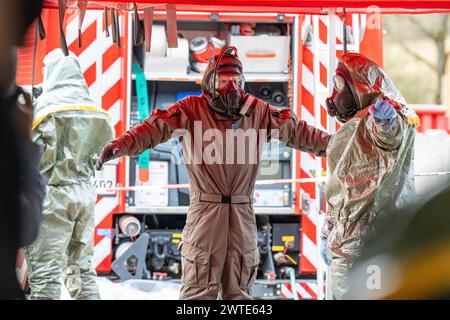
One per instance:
(323, 251)
(383, 114)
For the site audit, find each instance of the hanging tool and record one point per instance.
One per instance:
(105, 14)
(41, 29)
(172, 33)
(138, 34)
(82, 6)
(117, 27)
(62, 38)
(144, 112)
(113, 26)
(148, 23)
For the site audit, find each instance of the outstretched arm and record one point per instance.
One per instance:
(156, 129)
(296, 134)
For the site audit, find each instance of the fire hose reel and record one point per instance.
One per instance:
(130, 226)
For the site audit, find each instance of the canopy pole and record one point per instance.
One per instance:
(344, 30)
(331, 48)
(331, 35)
(331, 120)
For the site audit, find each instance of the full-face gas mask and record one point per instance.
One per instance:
(226, 83)
(342, 103)
(230, 90)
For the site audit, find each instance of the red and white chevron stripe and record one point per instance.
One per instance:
(105, 67)
(303, 290)
(307, 162)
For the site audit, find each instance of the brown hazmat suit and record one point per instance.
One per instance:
(219, 241)
(370, 170)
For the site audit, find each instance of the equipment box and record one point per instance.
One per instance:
(262, 53)
(162, 60)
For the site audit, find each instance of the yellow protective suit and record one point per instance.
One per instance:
(71, 131)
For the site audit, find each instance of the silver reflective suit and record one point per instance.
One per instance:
(370, 170)
(71, 131)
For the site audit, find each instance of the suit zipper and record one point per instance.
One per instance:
(227, 168)
(230, 125)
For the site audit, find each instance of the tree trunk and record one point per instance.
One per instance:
(442, 57)
(442, 60)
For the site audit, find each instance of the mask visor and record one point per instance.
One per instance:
(234, 80)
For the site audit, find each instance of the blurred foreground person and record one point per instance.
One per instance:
(409, 256)
(72, 131)
(370, 161)
(21, 187)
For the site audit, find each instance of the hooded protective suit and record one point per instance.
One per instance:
(72, 131)
(219, 241)
(370, 169)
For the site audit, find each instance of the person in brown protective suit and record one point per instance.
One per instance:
(370, 162)
(219, 241)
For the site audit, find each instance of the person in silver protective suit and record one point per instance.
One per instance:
(370, 161)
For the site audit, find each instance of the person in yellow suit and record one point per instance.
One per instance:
(72, 131)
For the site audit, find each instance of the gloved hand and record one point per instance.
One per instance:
(383, 114)
(111, 151)
(323, 251)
